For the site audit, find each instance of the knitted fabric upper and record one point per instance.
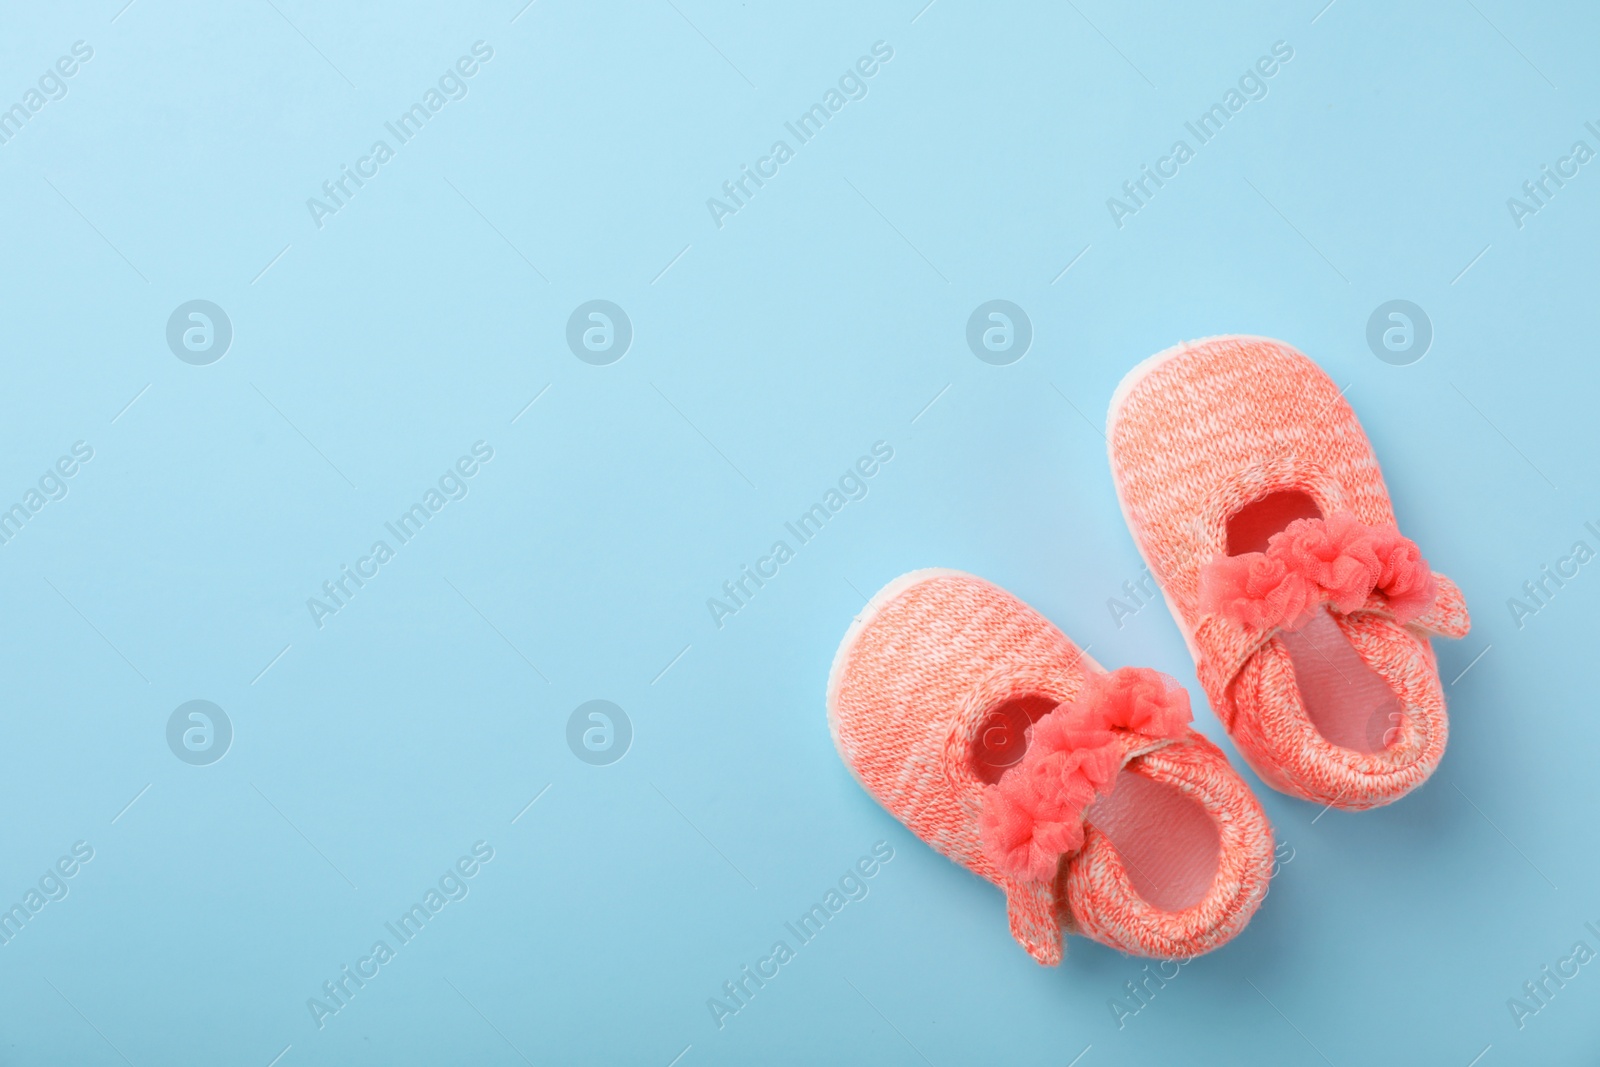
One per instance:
(1202, 435)
(915, 688)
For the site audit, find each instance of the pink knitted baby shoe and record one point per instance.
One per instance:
(1084, 795)
(1258, 504)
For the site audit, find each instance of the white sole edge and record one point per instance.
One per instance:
(879, 600)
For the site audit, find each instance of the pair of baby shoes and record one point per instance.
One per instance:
(1257, 503)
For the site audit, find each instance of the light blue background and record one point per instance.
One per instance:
(767, 357)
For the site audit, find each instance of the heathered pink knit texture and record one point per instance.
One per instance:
(912, 687)
(1219, 425)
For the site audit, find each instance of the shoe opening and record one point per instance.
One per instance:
(1167, 841)
(1003, 739)
(1347, 701)
(1251, 526)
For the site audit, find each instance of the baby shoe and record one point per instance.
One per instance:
(1084, 795)
(1258, 504)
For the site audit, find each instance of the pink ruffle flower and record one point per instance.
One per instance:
(1256, 590)
(1339, 561)
(1405, 577)
(1032, 818)
(1034, 815)
(1334, 554)
(1136, 699)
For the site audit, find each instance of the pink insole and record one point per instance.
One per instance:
(1348, 702)
(1166, 839)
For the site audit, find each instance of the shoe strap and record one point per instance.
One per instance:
(1035, 920)
(1226, 646)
